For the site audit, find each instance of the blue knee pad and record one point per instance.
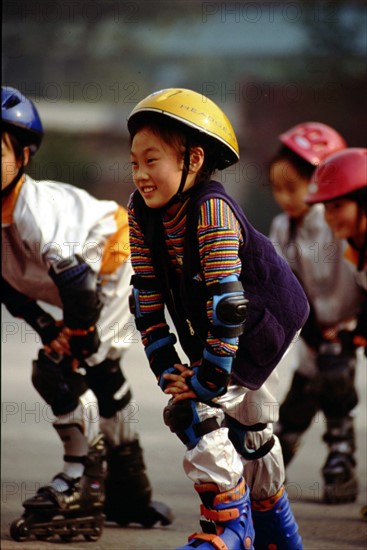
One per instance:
(182, 419)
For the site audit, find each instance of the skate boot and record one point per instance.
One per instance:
(226, 519)
(128, 491)
(76, 511)
(340, 482)
(275, 526)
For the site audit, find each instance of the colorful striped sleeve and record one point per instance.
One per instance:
(219, 237)
(149, 300)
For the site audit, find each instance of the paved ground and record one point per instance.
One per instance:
(31, 454)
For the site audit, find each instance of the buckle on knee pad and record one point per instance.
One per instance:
(183, 420)
(237, 434)
(254, 454)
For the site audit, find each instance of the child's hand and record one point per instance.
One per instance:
(60, 344)
(177, 386)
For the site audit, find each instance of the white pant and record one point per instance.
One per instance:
(214, 458)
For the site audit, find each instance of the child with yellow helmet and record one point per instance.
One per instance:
(235, 306)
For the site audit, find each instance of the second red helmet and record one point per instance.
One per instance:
(340, 175)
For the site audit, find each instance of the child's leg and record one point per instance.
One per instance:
(296, 413)
(301, 403)
(212, 462)
(338, 399)
(126, 470)
(74, 406)
(250, 424)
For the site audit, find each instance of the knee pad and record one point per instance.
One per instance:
(237, 433)
(110, 387)
(57, 384)
(339, 395)
(300, 404)
(182, 419)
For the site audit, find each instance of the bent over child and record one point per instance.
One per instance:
(324, 376)
(340, 183)
(236, 307)
(67, 249)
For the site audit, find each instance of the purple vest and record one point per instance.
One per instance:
(278, 305)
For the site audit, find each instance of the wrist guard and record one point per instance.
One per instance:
(211, 378)
(83, 343)
(79, 292)
(162, 355)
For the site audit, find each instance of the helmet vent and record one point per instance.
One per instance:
(12, 101)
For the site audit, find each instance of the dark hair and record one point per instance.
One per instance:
(303, 167)
(180, 137)
(11, 139)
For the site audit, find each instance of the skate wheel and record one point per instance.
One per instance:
(19, 530)
(66, 538)
(97, 531)
(363, 513)
(93, 538)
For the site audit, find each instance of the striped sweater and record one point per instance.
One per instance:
(219, 239)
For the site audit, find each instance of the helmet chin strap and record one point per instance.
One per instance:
(180, 193)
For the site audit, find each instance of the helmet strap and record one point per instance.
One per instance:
(181, 194)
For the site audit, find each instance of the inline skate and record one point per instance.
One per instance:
(68, 514)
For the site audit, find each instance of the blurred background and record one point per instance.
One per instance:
(269, 65)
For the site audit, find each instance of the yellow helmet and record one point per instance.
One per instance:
(196, 111)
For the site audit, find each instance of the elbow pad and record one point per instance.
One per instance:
(229, 307)
(79, 292)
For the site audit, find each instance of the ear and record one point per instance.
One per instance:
(196, 159)
(27, 155)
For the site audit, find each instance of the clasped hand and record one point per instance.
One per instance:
(176, 383)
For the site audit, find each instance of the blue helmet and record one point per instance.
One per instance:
(20, 118)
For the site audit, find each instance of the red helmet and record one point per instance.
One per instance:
(341, 174)
(313, 141)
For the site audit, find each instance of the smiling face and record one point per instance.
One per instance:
(346, 220)
(289, 188)
(157, 168)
